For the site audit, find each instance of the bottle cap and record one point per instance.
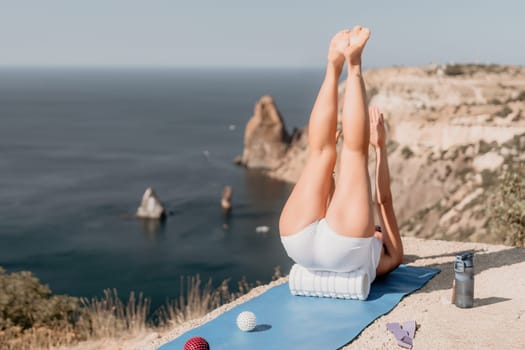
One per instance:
(464, 261)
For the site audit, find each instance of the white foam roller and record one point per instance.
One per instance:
(344, 285)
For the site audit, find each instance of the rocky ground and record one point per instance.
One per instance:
(455, 133)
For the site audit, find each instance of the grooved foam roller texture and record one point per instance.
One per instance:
(343, 285)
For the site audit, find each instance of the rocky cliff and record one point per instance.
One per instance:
(266, 140)
(455, 133)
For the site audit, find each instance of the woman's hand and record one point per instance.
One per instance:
(377, 128)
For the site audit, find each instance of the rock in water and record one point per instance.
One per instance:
(265, 138)
(262, 229)
(226, 199)
(151, 207)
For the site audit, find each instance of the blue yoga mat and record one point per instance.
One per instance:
(285, 321)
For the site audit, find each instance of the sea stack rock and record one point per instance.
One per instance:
(151, 207)
(265, 138)
(226, 199)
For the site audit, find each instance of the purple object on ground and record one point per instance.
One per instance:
(405, 334)
(405, 342)
(410, 327)
(396, 329)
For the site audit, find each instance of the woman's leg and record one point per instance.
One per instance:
(308, 200)
(350, 211)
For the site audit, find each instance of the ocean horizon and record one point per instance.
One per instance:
(80, 146)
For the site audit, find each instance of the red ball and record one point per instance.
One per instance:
(197, 343)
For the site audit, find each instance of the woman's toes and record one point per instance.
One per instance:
(338, 44)
(344, 38)
(342, 42)
(357, 41)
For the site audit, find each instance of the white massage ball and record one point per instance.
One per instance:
(246, 321)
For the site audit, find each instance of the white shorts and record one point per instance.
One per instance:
(317, 247)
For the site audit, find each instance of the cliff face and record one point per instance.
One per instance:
(454, 132)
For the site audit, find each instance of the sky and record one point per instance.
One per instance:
(245, 33)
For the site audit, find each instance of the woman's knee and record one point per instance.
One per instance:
(359, 145)
(323, 158)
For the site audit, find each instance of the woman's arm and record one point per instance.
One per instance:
(393, 254)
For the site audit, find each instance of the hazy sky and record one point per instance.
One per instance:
(244, 33)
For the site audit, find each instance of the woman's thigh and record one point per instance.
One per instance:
(308, 200)
(350, 211)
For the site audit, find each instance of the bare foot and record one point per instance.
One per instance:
(358, 37)
(338, 44)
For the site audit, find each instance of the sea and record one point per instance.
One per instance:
(79, 146)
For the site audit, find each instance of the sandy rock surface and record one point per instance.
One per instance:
(497, 320)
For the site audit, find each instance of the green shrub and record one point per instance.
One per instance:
(391, 146)
(517, 116)
(505, 111)
(521, 96)
(407, 152)
(485, 147)
(454, 69)
(25, 302)
(506, 211)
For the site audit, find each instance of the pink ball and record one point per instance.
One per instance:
(197, 343)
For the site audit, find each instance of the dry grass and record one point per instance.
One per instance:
(195, 302)
(109, 317)
(16, 338)
(198, 300)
